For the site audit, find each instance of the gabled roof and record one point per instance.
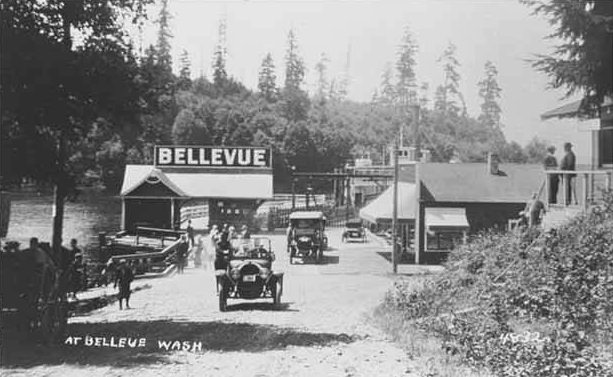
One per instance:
(566, 111)
(472, 182)
(202, 184)
(136, 175)
(573, 109)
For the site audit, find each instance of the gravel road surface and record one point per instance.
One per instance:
(322, 328)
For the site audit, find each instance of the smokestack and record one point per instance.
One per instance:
(492, 163)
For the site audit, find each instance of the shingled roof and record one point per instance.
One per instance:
(472, 182)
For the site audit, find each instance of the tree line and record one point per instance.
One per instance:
(79, 102)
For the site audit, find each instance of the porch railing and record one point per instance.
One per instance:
(591, 184)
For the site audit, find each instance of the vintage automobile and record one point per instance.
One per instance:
(306, 236)
(354, 231)
(248, 273)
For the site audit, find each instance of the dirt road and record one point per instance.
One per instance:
(322, 328)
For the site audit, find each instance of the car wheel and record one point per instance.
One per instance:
(318, 255)
(223, 298)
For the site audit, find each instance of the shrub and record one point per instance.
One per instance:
(564, 278)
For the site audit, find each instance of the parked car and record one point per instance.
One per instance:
(248, 273)
(306, 236)
(354, 230)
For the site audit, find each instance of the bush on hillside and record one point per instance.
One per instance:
(501, 282)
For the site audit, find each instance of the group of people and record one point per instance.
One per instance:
(534, 210)
(567, 163)
(221, 239)
(205, 253)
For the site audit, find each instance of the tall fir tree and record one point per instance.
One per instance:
(388, 91)
(164, 57)
(185, 72)
(448, 94)
(294, 66)
(406, 87)
(267, 79)
(220, 75)
(323, 87)
(489, 91)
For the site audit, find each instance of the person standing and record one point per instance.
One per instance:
(190, 233)
(554, 179)
(124, 278)
(568, 163)
(181, 254)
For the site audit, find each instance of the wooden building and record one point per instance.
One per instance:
(234, 181)
(487, 194)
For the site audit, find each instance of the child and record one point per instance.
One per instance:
(124, 277)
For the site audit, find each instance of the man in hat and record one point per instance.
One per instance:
(568, 163)
(123, 278)
(552, 164)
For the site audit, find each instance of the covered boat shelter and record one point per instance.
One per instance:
(233, 181)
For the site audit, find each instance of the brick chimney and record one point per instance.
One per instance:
(492, 163)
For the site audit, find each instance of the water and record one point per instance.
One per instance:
(91, 213)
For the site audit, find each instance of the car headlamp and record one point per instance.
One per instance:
(235, 273)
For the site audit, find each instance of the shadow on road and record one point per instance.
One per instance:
(259, 306)
(429, 258)
(327, 259)
(211, 336)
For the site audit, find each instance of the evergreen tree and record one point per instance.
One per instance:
(406, 87)
(489, 91)
(164, 58)
(267, 79)
(584, 59)
(388, 92)
(295, 103)
(220, 75)
(294, 66)
(185, 73)
(321, 67)
(448, 94)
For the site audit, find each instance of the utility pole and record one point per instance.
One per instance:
(417, 137)
(395, 210)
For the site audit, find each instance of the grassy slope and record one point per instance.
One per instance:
(554, 290)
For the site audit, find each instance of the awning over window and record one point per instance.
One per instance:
(201, 184)
(446, 219)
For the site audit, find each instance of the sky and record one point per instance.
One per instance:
(369, 32)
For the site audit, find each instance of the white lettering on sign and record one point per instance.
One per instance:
(230, 155)
(164, 155)
(216, 156)
(180, 156)
(259, 159)
(203, 161)
(190, 157)
(213, 156)
(244, 157)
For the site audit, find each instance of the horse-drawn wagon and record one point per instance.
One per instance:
(33, 292)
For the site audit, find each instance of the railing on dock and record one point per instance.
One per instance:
(593, 182)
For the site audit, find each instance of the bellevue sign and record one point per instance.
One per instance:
(213, 156)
